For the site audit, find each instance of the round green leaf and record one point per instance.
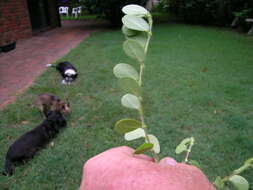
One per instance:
(134, 10)
(194, 163)
(128, 32)
(136, 134)
(183, 145)
(130, 85)
(181, 148)
(143, 148)
(155, 142)
(141, 38)
(239, 182)
(219, 183)
(130, 101)
(124, 70)
(126, 125)
(186, 141)
(135, 23)
(134, 50)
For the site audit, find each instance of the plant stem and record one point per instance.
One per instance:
(150, 21)
(187, 156)
(188, 151)
(142, 66)
(241, 169)
(144, 127)
(147, 43)
(237, 172)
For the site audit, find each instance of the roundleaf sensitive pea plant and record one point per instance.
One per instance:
(234, 179)
(137, 28)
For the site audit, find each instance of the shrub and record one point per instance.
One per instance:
(110, 9)
(220, 12)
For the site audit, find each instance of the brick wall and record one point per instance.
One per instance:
(14, 20)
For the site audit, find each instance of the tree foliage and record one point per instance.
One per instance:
(110, 9)
(220, 12)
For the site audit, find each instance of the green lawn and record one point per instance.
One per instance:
(197, 82)
(82, 17)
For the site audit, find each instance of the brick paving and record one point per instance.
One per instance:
(19, 68)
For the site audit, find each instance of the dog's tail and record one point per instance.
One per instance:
(8, 167)
(50, 65)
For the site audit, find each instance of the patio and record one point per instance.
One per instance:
(19, 68)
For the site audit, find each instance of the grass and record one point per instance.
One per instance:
(82, 17)
(197, 82)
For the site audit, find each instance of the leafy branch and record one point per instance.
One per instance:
(239, 182)
(137, 28)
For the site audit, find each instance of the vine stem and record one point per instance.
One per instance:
(142, 66)
(188, 153)
(237, 172)
(144, 127)
(150, 21)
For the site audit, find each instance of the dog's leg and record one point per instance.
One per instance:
(8, 167)
(53, 131)
(63, 81)
(29, 155)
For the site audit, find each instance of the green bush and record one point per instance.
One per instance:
(110, 9)
(220, 12)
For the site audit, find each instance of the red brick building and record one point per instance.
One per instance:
(22, 18)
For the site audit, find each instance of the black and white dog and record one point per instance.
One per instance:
(25, 147)
(67, 71)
